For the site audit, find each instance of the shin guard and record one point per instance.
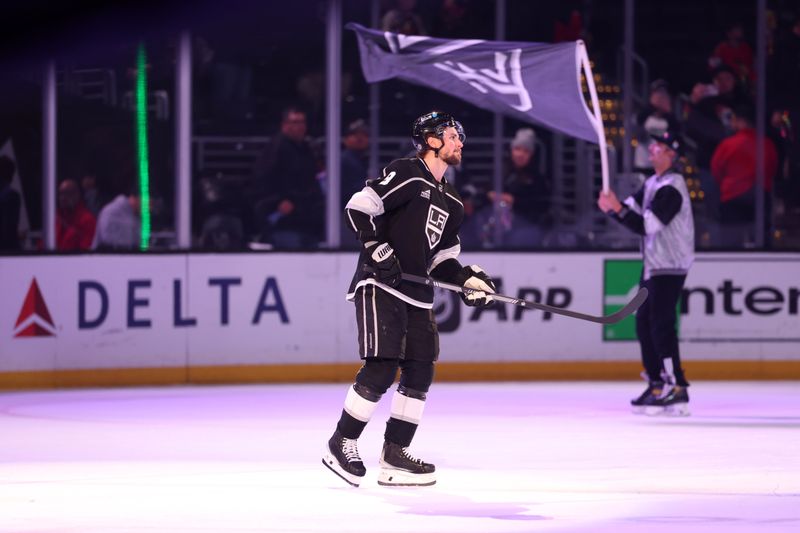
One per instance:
(406, 414)
(359, 406)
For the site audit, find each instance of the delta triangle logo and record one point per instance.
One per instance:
(34, 318)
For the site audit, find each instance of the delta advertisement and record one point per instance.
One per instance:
(184, 310)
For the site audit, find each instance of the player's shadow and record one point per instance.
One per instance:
(422, 502)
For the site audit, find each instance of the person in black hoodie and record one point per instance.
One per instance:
(291, 205)
(524, 206)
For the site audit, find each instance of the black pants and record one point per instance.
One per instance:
(656, 327)
(389, 328)
(392, 334)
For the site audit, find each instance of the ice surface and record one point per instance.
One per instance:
(510, 457)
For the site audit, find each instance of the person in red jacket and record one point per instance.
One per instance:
(733, 166)
(75, 224)
(734, 52)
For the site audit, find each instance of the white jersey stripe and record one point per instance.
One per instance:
(364, 318)
(367, 201)
(443, 255)
(425, 165)
(394, 292)
(454, 198)
(375, 321)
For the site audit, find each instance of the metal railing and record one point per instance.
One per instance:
(90, 84)
(641, 76)
(575, 171)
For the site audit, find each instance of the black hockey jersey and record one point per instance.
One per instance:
(418, 216)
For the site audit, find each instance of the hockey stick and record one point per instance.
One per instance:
(613, 318)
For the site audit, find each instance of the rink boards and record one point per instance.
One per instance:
(176, 318)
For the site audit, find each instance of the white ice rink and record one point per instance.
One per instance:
(510, 457)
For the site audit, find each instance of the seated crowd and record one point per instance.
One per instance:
(283, 204)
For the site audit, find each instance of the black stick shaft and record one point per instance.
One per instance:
(629, 308)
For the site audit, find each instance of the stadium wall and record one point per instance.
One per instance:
(107, 320)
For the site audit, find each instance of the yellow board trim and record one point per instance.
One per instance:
(341, 373)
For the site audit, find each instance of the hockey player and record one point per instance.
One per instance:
(661, 213)
(407, 220)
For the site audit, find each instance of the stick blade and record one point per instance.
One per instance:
(630, 307)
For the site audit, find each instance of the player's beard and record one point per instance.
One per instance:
(452, 159)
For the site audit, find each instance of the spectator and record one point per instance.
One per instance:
(75, 224)
(734, 169)
(785, 87)
(524, 210)
(118, 225)
(569, 28)
(355, 159)
(735, 53)
(786, 82)
(780, 131)
(355, 167)
(654, 120)
(454, 20)
(292, 206)
(404, 100)
(709, 122)
(709, 119)
(224, 214)
(93, 198)
(10, 205)
(403, 19)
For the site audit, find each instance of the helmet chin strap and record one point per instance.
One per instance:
(436, 150)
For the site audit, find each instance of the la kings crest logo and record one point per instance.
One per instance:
(437, 218)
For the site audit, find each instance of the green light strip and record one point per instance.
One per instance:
(141, 145)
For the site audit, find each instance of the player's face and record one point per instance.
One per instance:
(450, 152)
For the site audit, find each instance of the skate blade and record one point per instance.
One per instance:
(391, 477)
(638, 409)
(677, 409)
(332, 464)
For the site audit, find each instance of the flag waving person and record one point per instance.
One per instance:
(661, 212)
(407, 221)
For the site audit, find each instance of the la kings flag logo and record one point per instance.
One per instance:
(437, 218)
(536, 82)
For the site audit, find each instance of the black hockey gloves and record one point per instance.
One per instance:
(475, 278)
(387, 267)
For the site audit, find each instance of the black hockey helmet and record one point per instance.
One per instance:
(433, 123)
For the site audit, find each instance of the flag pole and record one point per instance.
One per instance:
(595, 116)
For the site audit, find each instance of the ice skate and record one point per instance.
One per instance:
(343, 459)
(673, 402)
(650, 394)
(399, 468)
